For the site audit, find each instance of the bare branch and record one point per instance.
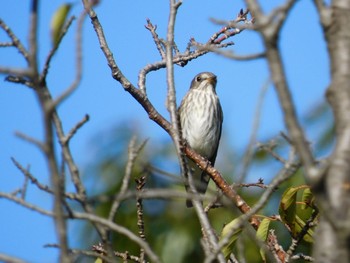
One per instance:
(16, 72)
(140, 183)
(231, 28)
(10, 259)
(93, 254)
(29, 139)
(6, 44)
(54, 49)
(158, 42)
(33, 44)
(34, 180)
(74, 130)
(20, 80)
(125, 256)
(119, 229)
(229, 54)
(259, 184)
(269, 147)
(23, 203)
(182, 59)
(78, 60)
(133, 152)
(15, 41)
(74, 171)
(295, 242)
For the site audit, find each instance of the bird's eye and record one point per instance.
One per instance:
(199, 78)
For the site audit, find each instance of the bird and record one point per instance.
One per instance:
(201, 120)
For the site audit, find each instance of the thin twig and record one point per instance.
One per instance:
(32, 140)
(16, 42)
(126, 256)
(295, 242)
(24, 203)
(183, 58)
(78, 61)
(140, 183)
(152, 28)
(74, 130)
(229, 54)
(259, 184)
(7, 44)
(54, 49)
(133, 152)
(25, 185)
(33, 44)
(269, 148)
(20, 80)
(40, 186)
(119, 229)
(231, 28)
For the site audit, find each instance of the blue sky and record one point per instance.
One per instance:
(23, 233)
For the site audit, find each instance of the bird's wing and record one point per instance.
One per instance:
(204, 176)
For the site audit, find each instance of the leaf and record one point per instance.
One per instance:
(287, 208)
(307, 198)
(227, 230)
(261, 155)
(293, 217)
(98, 260)
(262, 233)
(57, 22)
(263, 229)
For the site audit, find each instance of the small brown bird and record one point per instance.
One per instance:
(201, 121)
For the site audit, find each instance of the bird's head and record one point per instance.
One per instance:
(204, 80)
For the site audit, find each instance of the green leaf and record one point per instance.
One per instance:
(98, 260)
(228, 228)
(287, 208)
(263, 229)
(261, 155)
(307, 198)
(293, 217)
(262, 233)
(57, 22)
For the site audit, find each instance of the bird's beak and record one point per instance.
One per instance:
(212, 80)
